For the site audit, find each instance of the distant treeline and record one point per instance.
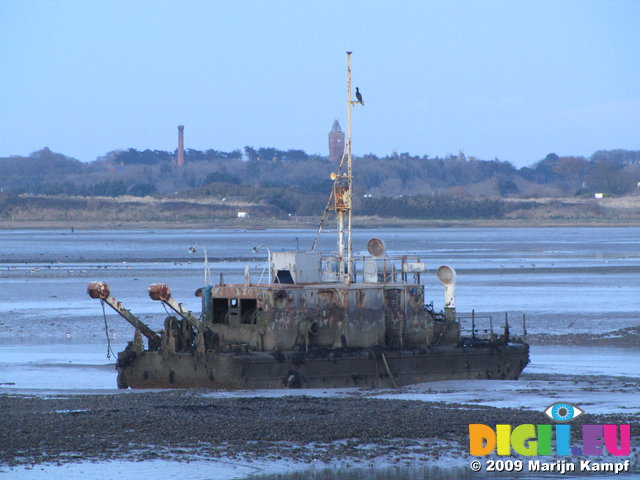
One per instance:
(152, 157)
(298, 183)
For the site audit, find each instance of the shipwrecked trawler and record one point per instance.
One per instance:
(317, 321)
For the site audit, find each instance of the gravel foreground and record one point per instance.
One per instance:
(187, 424)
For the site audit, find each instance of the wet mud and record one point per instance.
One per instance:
(624, 337)
(183, 425)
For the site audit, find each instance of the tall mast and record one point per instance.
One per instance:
(342, 194)
(349, 176)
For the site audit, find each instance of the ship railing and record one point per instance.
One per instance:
(388, 269)
(489, 326)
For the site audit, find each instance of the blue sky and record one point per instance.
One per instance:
(513, 80)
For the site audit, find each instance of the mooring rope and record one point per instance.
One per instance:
(106, 331)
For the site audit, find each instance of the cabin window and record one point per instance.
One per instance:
(220, 310)
(249, 309)
(235, 311)
(233, 317)
(284, 276)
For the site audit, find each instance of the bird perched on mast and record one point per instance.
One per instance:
(359, 96)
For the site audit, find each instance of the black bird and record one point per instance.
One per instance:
(358, 95)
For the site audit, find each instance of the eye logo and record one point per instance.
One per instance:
(563, 412)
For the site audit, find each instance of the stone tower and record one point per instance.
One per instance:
(336, 142)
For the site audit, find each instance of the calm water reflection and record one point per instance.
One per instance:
(411, 473)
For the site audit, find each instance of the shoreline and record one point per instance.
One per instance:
(358, 223)
(180, 211)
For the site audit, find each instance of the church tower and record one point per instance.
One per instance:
(336, 142)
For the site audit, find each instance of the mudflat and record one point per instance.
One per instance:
(181, 424)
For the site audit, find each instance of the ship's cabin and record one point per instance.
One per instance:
(306, 301)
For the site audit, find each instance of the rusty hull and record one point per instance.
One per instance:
(324, 368)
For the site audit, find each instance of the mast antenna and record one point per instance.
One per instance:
(349, 176)
(342, 193)
(348, 191)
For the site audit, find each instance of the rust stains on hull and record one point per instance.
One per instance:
(327, 368)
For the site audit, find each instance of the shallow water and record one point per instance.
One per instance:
(564, 279)
(221, 470)
(605, 379)
(567, 280)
